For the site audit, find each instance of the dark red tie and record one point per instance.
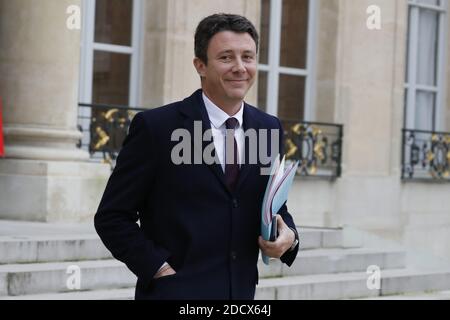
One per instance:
(231, 164)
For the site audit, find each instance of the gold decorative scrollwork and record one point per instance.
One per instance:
(438, 156)
(109, 114)
(291, 149)
(109, 129)
(307, 143)
(103, 138)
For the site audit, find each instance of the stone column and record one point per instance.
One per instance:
(44, 176)
(370, 82)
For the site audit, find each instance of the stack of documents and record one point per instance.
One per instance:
(276, 195)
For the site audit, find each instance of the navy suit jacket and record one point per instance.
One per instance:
(187, 215)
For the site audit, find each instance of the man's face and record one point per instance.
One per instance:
(231, 67)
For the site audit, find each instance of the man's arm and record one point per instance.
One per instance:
(125, 195)
(289, 256)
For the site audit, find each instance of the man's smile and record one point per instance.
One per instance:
(238, 81)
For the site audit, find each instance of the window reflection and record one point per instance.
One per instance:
(294, 34)
(264, 33)
(111, 78)
(113, 21)
(291, 98)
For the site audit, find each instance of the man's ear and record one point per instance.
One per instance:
(199, 66)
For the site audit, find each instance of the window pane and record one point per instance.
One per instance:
(262, 90)
(427, 51)
(424, 111)
(291, 98)
(111, 78)
(113, 21)
(264, 33)
(294, 34)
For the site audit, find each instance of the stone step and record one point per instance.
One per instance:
(36, 278)
(431, 295)
(322, 261)
(112, 294)
(337, 286)
(16, 279)
(351, 285)
(48, 248)
(316, 238)
(28, 228)
(80, 247)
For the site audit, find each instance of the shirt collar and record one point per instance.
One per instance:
(217, 116)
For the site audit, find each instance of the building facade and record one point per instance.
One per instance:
(361, 88)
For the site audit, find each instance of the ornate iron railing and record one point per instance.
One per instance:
(104, 129)
(425, 155)
(317, 145)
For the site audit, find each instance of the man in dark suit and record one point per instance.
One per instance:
(199, 233)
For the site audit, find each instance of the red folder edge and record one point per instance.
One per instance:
(2, 150)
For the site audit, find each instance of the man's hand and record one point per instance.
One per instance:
(283, 243)
(164, 271)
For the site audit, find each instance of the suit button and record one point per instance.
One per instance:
(235, 203)
(233, 255)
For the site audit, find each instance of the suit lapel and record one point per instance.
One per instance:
(195, 111)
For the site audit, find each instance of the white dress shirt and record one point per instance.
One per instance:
(217, 117)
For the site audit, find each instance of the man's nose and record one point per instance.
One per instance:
(239, 66)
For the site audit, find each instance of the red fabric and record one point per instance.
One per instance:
(2, 151)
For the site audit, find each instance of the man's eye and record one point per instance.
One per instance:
(248, 57)
(225, 58)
